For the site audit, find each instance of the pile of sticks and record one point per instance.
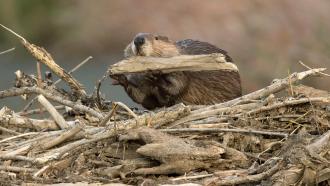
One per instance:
(262, 137)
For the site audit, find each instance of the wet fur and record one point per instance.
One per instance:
(155, 89)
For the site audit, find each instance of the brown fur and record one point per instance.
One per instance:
(156, 46)
(193, 88)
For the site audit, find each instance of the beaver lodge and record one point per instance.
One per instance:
(278, 135)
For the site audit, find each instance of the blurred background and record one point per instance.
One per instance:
(265, 38)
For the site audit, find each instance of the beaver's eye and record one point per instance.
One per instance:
(156, 38)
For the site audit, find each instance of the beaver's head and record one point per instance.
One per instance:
(146, 44)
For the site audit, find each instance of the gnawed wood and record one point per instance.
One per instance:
(177, 63)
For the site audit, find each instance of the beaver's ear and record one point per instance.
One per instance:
(162, 38)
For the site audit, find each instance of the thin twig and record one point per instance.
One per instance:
(39, 75)
(191, 177)
(18, 136)
(37, 111)
(290, 84)
(208, 130)
(247, 179)
(29, 104)
(278, 117)
(109, 115)
(98, 87)
(11, 31)
(312, 68)
(127, 109)
(214, 112)
(289, 102)
(9, 131)
(41, 171)
(7, 51)
(76, 68)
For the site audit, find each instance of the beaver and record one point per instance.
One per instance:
(156, 89)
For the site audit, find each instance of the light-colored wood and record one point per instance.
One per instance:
(53, 112)
(172, 64)
(63, 137)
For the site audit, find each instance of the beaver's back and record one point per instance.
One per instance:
(194, 47)
(210, 87)
(207, 87)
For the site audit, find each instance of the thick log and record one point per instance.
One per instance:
(172, 64)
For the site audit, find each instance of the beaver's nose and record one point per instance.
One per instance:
(139, 41)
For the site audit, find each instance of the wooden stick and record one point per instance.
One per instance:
(208, 130)
(63, 137)
(10, 119)
(18, 136)
(247, 179)
(37, 111)
(44, 57)
(127, 109)
(325, 100)
(53, 112)
(29, 104)
(19, 151)
(76, 68)
(43, 135)
(207, 113)
(109, 115)
(28, 90)
(17, 157)
(7, 51)
(16, 169)
(178, 63)
(191, 177)
(309, 68)
(208, 125)
(39, 75)
(9, 131)
(41, 171)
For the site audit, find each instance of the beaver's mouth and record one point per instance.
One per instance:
(139, 51)
(115, 82)
(118, 79)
